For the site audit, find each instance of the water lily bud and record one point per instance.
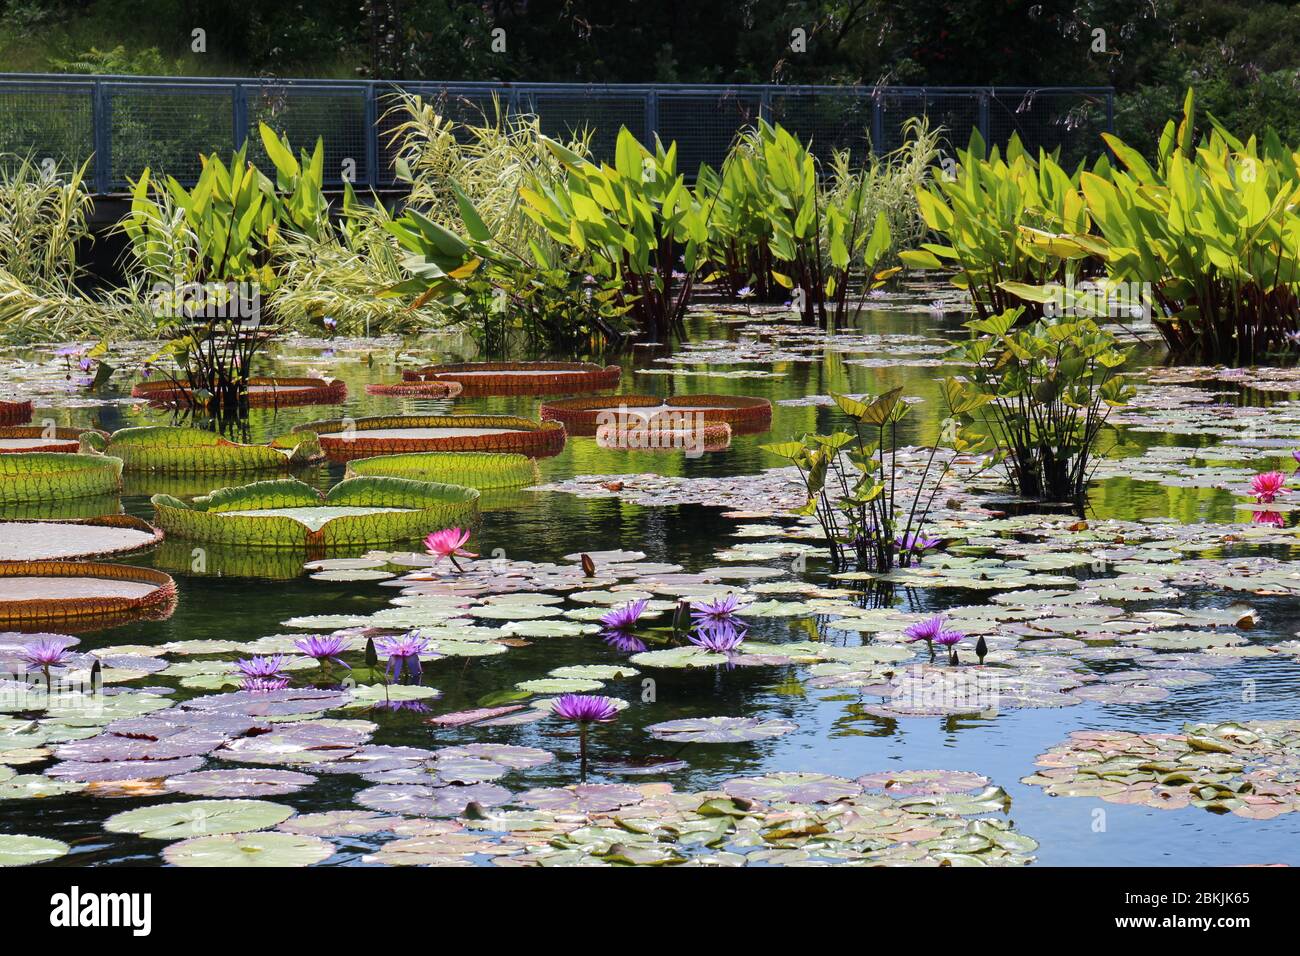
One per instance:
(682, 616)
(981, 648)
(372, 656)
(588, 566)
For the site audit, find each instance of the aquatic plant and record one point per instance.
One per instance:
(286, 513)
(45, 475)
(326, 649)
(473, 469)
(269, 666)
(950, 640)
(1212, 230)
(868, 509)
(721, 609)
(403, 655)
(624, 618)
(719, 636)
(928, 630)
(207, 253)
(638, 221)
(448, 543)
(175, 450)
(1267, 486)
(45, 654)
(1009, 225)
(1044, 394)
(584, 710)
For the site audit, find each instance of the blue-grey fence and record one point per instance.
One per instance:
(126, 123)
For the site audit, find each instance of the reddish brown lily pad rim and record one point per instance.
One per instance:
(434, 389)
(129, 522)
(525, 436)
(544, 378)
(86, 613)
(59, 439)
(580, 416)
(715, 436)
(281, 392)
(15, 413)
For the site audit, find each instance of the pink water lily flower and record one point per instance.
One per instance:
(1267, 486)
(449, 543)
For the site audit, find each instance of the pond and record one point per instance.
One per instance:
(1222, 622)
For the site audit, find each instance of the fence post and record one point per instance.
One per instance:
(765, 105)
(651, 116)
(877, 122)
(1110, 110)
(984, 115)
(239, 114)
(372, 136)
(102, 121)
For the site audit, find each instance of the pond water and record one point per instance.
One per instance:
(243, 596)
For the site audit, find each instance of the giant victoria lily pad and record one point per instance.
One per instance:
(262, 392)
(40, 476)
(75, 538)
(33, 438)
(345, 439)
(473, 469)
(164, 449)
(583, 416)
(15, 413)
(519, 378)
(285, 513)
(77, 595)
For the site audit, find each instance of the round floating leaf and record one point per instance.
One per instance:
(239, 783)
(429, 801)
(793, 788)
(720, 730)
(249, 849)
(169, 821)
(19, 850)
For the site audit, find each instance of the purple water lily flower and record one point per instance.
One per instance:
(261, 666)
(47, 653)
(720, 610)
(720, 637)
(404, 655)
(624, 618)
(585, 708)
(325, 648)
(916, 543)
(949, 638)
(927, 630)
(265, 684)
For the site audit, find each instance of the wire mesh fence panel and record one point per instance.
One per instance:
(954, 115)
(336, 117)
(704, 124)
(167, 129)
(48, 122)
(1049, 119)
(129, 123)
(598, 114)
(827, 121)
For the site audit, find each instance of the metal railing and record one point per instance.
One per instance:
(127, 123)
